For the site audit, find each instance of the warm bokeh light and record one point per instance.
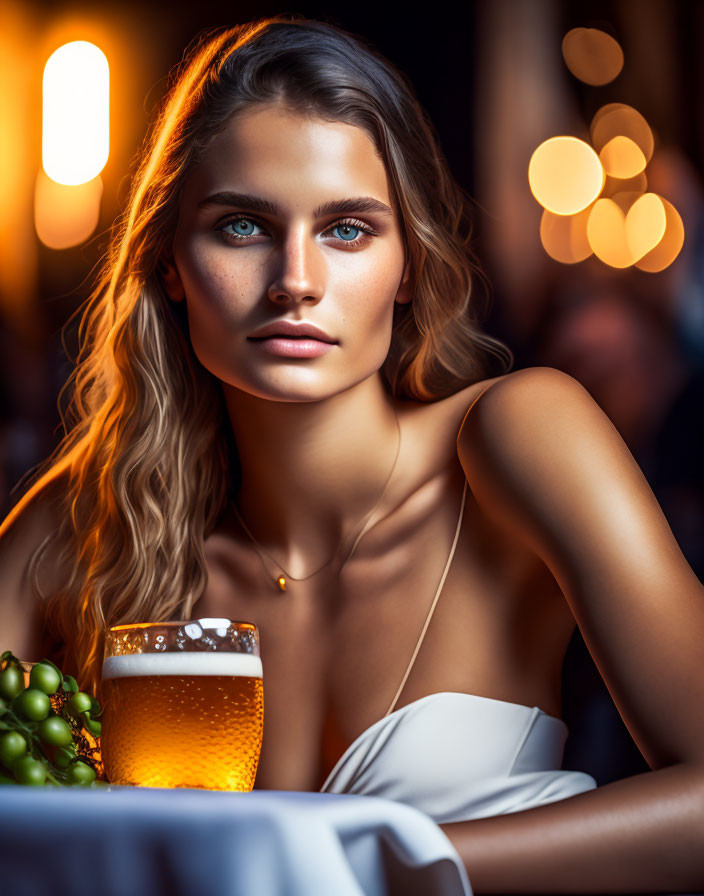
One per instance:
(75, 118)
(669, 246)
(628, 228)
(622, 158)
(625, 199)
(604, 110)
(620, 120)
(645, 224)
(595, 198)
(565, 175)
(18, 164)
(592, 55)
(66, 216)
(606, 230)
(564, 237)
(637, 184)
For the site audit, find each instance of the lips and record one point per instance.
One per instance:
(288, 347)
(286, 329)
(286, 336)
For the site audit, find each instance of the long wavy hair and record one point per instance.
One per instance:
(147, 459)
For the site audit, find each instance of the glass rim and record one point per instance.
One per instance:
(217, 622)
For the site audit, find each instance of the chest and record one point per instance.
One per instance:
(335, 649)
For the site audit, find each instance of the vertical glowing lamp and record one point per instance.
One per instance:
(75, 120)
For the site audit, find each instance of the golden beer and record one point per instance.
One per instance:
(183, 719)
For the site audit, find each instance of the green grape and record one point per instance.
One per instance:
(32, 704)
(80, 702)
(56, 731)
(12, 746)
(48, 728)
(80, 773)
(44, 678)
(11, 681)
(29, 771)
(93, 726)
(64, 756)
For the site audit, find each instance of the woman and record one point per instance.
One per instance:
(286, 414)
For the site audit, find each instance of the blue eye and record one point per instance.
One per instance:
(343, 227)
(238, 222)
(348, 229)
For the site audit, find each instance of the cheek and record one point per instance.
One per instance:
(368, 317)
(217, 290)
(216, 308)
(208, 283)
(377, 295)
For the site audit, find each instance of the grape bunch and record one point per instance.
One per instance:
(49, 729)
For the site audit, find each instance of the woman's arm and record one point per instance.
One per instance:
(643, 834)
(545, 462)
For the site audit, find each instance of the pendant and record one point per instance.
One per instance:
(281, 582)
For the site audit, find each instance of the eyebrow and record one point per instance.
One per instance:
(360, 204)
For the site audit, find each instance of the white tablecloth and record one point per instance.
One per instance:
(185, 842)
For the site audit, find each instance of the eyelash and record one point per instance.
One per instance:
(351, 222)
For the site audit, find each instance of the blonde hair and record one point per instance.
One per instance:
(147, 458)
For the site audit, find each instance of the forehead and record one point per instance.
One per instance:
(275, 150)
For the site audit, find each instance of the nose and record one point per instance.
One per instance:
(300, 278)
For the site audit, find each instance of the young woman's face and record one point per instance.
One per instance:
(278, 254)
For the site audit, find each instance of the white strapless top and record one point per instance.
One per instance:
(457, 756)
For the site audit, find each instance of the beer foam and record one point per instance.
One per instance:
(132, 665)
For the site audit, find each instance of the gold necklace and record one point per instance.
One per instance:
(282, 579)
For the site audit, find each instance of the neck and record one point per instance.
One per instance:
(312, 471)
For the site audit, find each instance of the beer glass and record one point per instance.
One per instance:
(183, 704)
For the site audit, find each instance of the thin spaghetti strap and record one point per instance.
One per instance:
(435, 600)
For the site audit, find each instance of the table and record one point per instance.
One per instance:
(131, 840)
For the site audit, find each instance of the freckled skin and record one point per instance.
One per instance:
(560, 526)
(348, 291)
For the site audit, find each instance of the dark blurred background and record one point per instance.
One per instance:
(492, 77)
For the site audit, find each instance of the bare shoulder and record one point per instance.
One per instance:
(34, 515)
(537, 450)
(534, 400)
(537, 412)
(21, 533)
(443, 418)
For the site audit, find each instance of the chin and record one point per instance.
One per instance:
(296, 381)
(296, 388)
